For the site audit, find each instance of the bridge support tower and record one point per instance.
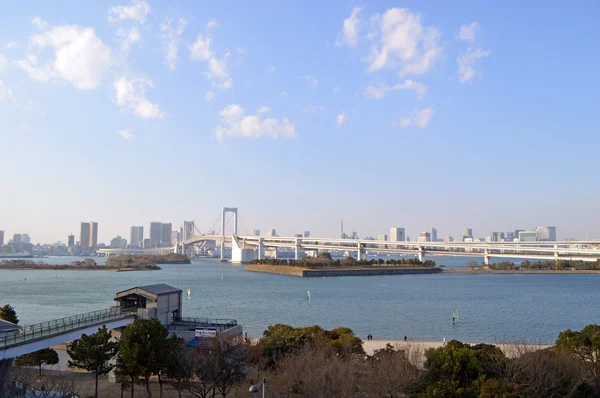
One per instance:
(486, 257)
(361, 253)
(296, 250)
(421, 253)
(224, 211)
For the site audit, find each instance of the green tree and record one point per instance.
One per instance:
(47, 356)
(324, 255)
(8, 313)
(144, 346)
(585, 346)
(93, 353)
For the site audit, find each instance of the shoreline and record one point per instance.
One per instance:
(511, 271)
(60, 267)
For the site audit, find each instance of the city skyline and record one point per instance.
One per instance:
(332, 116)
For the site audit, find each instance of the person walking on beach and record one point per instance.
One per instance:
(444, 341)
(404, 337)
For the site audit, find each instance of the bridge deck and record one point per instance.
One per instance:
(44, 330)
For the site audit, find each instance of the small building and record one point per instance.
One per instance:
(6, 326)
(153, 301)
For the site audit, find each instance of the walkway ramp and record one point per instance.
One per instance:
(35, 337)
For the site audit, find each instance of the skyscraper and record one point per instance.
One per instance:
(84, 235)
(136, 237)
(433, 235)
(424, 237)
(1, 238)
(546, 233)
(25, 239)
(166, 229)
(397, 234)
(468, 232)
(71, 240)
(155, 234)
(271, 232)
(256, 232)
(93, 234)
(307, 234)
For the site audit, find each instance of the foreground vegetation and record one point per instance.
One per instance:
(315, 362)
(324, 260)
(86, 264)
(138, 261)
(559, 265)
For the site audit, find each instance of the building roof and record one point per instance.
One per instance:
(6, 326)
(158, 289)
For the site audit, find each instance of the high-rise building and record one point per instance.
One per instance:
(17, 239)
(424, 237)
(527, 236)
(1, 238)
(517, 232)
(271, 232)
(382, 237)
(494, 237)
(175, 237)
(84, 235)
(71, 240)
(468, 232)
(397, 234)
(118, 243)
(166, 229)
(25, 239)
(307, 234)
(433, 235)
(546, 233)
(189, 230)
(146, 244)
(510, 236)
(155, 234)
(256, 232)
(354, 235)
(93, 234)
(136, 237)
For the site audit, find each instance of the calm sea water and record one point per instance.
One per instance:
(492, 308)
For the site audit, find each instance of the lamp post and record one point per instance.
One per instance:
(254, 388)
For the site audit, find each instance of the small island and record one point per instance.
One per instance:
(531, 267)
(323, 265)
(121, 263)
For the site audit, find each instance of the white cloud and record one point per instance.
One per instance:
(3, 63)
(217, 68)
(80, 57)
(209, 95)
(211, 24)
(466, 71)
(282, 94)
(336, 89)
(271, 68)
(11, 44)
(379, 91)
(419, 118)
(171, 40)
(39, 23)
(200, 49)
(467, 32)
(132, 94)
(127, 134)
(403, 42)
(263, 109)
(128, 37)
(237, 124)
(5, 92)
(136, 11)
(240, 51)
(340, 119)
(311, 79)
(349, 34)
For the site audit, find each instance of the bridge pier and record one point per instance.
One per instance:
(259, 255)
(556, 253)
(296, 250)
(486, 258)
(421, 254)
(359, 252)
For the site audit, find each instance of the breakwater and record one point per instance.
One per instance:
(354, 271)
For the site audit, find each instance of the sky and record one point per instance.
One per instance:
(416, 114)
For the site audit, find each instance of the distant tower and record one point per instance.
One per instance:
(342, 229)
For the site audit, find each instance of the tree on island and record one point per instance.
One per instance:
(93, 353)
(47, 356)
(8, 313)
(324, 255)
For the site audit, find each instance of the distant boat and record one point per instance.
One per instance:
(308, 295)
(189, 293)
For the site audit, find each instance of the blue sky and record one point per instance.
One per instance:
(412, 113)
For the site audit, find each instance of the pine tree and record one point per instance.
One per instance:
(9, 314)
(93, 352)
(47, 356)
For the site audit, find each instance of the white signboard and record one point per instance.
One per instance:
(205, 332)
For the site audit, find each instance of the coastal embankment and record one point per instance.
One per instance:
(519, 271)
(338, 271)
